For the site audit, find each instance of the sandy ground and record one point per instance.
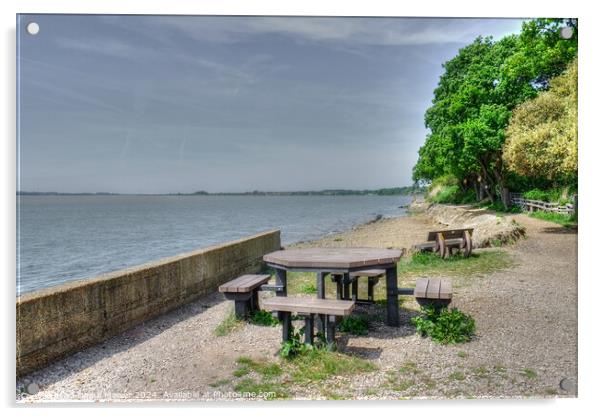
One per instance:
(526, 340)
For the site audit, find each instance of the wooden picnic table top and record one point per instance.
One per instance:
(335, 258)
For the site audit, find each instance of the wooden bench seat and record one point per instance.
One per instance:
(308, 307)
(443, 241)
(373, 276)
(434, 291)
(243, 291)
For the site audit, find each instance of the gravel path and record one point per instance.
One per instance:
(526, 339)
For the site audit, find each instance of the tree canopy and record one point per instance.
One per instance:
(476, 95)
(542, 134)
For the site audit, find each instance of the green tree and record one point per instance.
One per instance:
(542, 134)
(475, 97)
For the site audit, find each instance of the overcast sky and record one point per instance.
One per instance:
(154, 104)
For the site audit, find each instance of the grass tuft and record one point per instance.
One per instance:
(319, 364)
(228, 325)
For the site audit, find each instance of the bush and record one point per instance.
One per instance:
(537, 194)
(294, 346)
(444, 326)
(354, 324)
(263, 318)
(447, 195)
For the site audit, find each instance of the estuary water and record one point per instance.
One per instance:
(65, 238)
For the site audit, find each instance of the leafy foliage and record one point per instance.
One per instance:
(263, 318)
(542, 134)
(447, 195)
(444, 326)
(354, 324)
(476, 94)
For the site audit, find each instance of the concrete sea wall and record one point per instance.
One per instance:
(58, 321)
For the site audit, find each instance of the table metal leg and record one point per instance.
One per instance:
(286, 326)
(346, 284)
(281, 281)
(320, 284)
(392, 297)
(309, 329)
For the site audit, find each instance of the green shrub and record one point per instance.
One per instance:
(469, 197)
(536, 194)
(354, 324)
(294, 346)
(444, 326)
(263, 318)
(447, 195)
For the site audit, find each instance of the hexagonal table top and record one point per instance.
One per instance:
(335, 258)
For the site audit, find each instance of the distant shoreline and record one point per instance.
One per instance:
(404, 190)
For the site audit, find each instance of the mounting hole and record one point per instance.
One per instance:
(566, 32)
(33, 28)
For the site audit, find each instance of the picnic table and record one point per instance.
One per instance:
(339, 261)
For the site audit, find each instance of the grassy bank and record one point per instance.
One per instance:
(568, 221)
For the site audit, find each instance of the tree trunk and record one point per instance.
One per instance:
(489, 181)
(501, 181)
(477, 191)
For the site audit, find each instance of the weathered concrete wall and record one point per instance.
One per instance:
(58, 321)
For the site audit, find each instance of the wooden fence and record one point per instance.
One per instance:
(536, 205)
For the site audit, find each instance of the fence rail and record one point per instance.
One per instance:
(536, 205)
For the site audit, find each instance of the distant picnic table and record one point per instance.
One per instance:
(340, 262)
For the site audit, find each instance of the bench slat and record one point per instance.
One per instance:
(245, 283)
(308, 305)
(432, 291)
(433, 288)
(445, 292)
(421, 285)
(238, 284)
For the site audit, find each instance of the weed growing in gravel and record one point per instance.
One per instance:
(308, 288)
(312, 365)
(529, 373)
(264, 369)
(457, 375)
(220, 382)
(444, 326)
(462, 354)
(319, 363)
(354, 324)
(268, 390)
(229, 324)
(263, 318)
(294, 346)
(409, 367)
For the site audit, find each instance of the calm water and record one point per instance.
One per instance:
(63, 238)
